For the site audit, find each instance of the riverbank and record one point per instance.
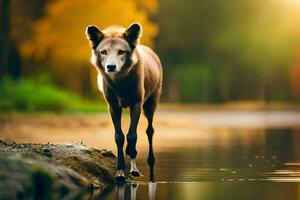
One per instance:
(43, 171)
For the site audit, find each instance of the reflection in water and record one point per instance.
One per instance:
(205, 190)
(191, 161)
(228, 154)
(229, 164)
(152, 190)
(128, 191)
(121, 189)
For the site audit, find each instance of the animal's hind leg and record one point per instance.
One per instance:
(149, 109)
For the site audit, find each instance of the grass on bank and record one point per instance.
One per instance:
(42, 96)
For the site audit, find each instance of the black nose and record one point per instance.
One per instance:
(111, 68)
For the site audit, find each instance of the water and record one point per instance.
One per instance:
(212, 155)
(232, 163)
(207, 190)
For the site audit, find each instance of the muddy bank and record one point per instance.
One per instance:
(65, 171)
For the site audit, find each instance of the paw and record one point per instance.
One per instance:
(120, 179)
(120, 176)
(135, 173)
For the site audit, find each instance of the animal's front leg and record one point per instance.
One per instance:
(135, 112)
(116, 113)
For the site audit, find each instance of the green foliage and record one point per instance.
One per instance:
(201, 83)
(212, 51)
(40, 95)
(194, 80)
(246, 47)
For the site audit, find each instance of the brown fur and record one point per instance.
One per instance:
(143, 80)
(137, 86)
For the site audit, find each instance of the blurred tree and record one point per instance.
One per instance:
(245, 47)
(212, 51)
(15, 27)
(4, 36)
(295, 74)
(151, 6)
(59, 37)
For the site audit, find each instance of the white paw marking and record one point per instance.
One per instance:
(133, 166)
(120, 172)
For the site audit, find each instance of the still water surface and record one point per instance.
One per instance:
(199, 155)
(235, 164)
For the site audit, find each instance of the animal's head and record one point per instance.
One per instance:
(113, 47)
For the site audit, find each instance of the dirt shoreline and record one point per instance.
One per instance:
(53, 170)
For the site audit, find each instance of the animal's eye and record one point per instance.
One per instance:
(121, 52)
(103, 52)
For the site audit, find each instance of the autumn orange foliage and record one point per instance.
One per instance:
(59, 36)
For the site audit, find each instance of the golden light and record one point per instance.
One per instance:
(291, 2)
(295, 2)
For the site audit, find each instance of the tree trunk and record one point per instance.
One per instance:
(4, 36)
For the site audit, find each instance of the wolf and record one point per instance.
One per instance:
(129, 75)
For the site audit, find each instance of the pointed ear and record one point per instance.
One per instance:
(133, 34)
(94, 35)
